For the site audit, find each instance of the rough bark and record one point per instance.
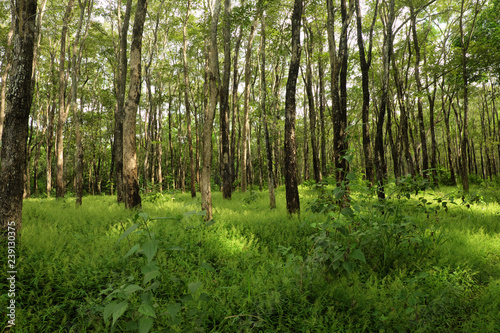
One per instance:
(8, 64)
(18, 106)
(224, 106)
(213, 77)
(121, 81)
(130, 181)
(292, 191)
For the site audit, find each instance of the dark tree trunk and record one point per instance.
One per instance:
(292, 191)
(18, 107)
(130, 179)
(227, 188)
(322, 115)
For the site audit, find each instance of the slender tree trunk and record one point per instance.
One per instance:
(292, 191)
(120, 100)
(380, 161)
(63, 108)
(18, 107)
(322, 114)
(130, 180)
(246, 105)
(5, 73)
(365, 83)
(213, 77)
(227, 187)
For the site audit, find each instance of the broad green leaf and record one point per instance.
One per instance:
(144, 216)
(150, 248)
(194, 286)
(119, 310)
(108, 310)
(358, 254)
(207, 266)
(209, 223)
(128, 232)
(150, 276)
(147, 309)
(347, 212)
(349, 266)
(133, 250)
(173, 309)
(130, 289)
(145, 324)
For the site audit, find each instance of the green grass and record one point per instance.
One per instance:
(256, 270)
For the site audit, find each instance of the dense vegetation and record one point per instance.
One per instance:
(429, 263)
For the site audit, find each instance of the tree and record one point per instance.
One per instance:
(130, 180)
(291, 183)
(15, 132)
(213, 77)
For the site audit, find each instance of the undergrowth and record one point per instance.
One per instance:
(422, 261)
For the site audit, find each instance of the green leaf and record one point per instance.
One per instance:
(349, 266)
(108, 310)
(347, 212)
(150, 248)
(207, 266)
(128, 232)
(144, 216)
(145, 324)
(358, 254)
(209, 223)
(132, 251)
(147, 309)
(194, 286)
(150, 276)
(173, 309)
(119, 310)
(132, 288)
(176, 248)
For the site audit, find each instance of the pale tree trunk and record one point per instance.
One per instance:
(292, 190)
(322, 114)
(245, 133)
(186, 103)
(233, 155)
(50, 130)
(263, 91)
(130, 181)
(63, 108)
(75, 77)
(18, 107)
(213, 77)
(224, 106)
(120, 100)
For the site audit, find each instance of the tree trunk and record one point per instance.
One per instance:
(213, 77)
(234, 154)
(131, 185)
(120, 101)
(246, 104)
(322, 114)
(5, 74)
(292, 191)
(365, 83)
(15, 131)
(380, 162)
(63, 108)
(227, 188)
(263, 91)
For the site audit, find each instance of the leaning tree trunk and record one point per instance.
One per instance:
(213, 77)
(130, 181)
(292, 191)
(15, 132)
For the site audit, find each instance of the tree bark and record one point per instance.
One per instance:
(227, 188)
(121, 82)
(18, 106)
(213, 77)
(131, 185)
(365, 63)
(63, 108)
(292, 191)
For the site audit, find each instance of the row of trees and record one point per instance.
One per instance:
(233, 92)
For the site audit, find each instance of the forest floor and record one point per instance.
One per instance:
(417, 263)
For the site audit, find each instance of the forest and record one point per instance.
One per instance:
(250, 166)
